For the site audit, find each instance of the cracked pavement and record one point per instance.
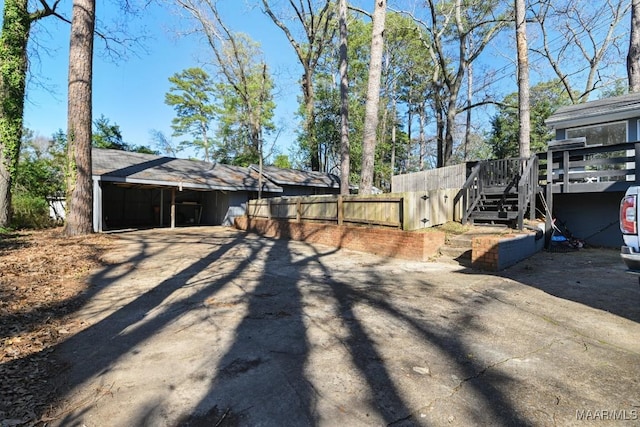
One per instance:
(212, 326)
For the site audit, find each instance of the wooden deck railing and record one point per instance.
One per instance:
(505, 175)
(527, 189)
(591, 168)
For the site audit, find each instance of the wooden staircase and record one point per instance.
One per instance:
(501, 192)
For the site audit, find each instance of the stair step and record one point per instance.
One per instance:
(497, 204)
(494, 215)
(461, 241)
(459, 254)
(499, 190)
(511, 197)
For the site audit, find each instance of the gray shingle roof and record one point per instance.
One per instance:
(298, 177)
(599, 111)
(149, 169)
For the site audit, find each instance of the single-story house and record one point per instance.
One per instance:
(145, 190)
(301, 183)
(595, 154)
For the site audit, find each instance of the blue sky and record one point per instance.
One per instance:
(130, 92)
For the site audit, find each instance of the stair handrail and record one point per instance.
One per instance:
(471, 191)
(527, 186)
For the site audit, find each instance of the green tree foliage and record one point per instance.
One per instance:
(545, 99)
(311, 35)
(244, 101)
(107, 135)
(16, 26)
(40, 176)
(618, 88)
(401, 43)
(40, 170)
(191, 95)
(282, 161)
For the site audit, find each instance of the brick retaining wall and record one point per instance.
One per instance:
(379, 241)
(495, 253)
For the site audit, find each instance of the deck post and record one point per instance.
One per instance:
(97, 207)
(161, 206)
(636, 146)
(548, 223)
(173, 208)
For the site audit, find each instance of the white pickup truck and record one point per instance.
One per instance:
(630, 250)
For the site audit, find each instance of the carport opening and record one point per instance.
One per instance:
(140, 206)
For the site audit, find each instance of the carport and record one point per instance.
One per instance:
(144, 190)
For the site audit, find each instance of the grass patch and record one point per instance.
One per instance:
(454, 228)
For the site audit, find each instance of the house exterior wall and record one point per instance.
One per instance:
(214, 205)
(592, 217)
(236, 206)
(299, 190)
(632, 130)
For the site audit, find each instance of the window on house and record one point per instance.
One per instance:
(602, 134)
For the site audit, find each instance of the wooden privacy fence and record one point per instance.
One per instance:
(406, 211)
(432, 179)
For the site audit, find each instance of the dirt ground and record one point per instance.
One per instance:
(522, 346)
(42, 278)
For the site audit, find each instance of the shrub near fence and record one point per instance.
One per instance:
(406, 211)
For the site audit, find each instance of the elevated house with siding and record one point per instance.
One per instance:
(144, 190)
(581, 178)
(595, 155)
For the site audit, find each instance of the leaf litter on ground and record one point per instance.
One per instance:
(43, 276)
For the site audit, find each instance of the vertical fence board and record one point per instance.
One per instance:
(433, 179)
(408, 211)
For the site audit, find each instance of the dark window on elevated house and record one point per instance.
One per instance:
(601, 135)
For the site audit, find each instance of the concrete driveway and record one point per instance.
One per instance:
(211, 326)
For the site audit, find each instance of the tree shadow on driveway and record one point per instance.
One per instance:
(283, 333)
(594, 277)
(96, 350)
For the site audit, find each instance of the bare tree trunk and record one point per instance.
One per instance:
(407, 165)
(440, 124)
(345, 151)
(393, 139)
(575, 37)
(422, 138)
(467, 130)
(310, 119)
(373, 97)
(633, 57)
(448, 134)
(316, 25)
(523, 81)
(79, 186)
